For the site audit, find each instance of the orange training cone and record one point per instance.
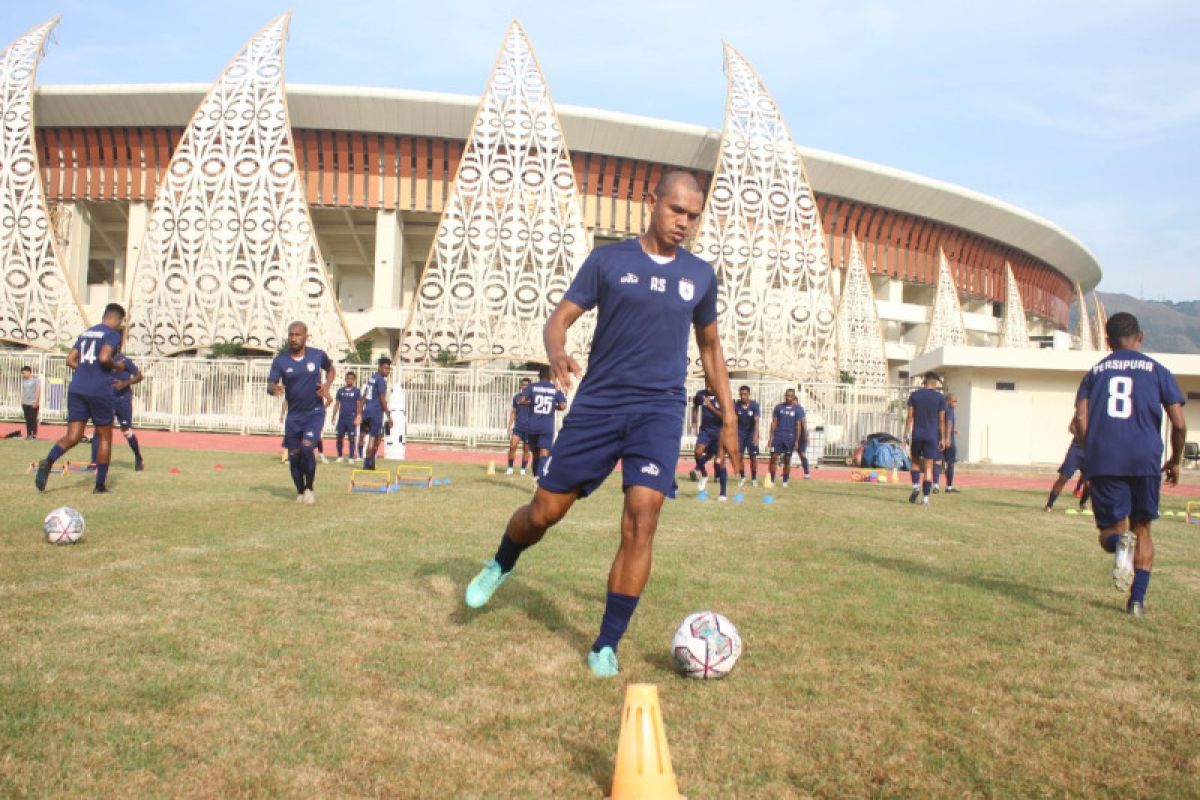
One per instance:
(895, 475)
(643, 769)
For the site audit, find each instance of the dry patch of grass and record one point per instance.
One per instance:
(211, 638)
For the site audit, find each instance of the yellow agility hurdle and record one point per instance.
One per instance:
(378, 481)
(414, 475)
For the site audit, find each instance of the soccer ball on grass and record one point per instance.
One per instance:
(64, 526)
(706, 645)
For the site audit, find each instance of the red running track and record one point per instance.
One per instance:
(420, 451)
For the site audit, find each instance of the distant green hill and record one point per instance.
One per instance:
(1171, 327)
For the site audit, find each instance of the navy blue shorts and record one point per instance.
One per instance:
(521, 434)
(708, 439)
(303, 426)
(123, 411)
(372, 425)
(1115, 498)
(345, 427)
(926, 448)
(782, 446)
(950, 455)
(539, 441)
(589, 446)
(1075, 461)
(747, 443)
(97, 408)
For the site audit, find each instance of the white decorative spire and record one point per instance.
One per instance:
(945, 320)
(38, 305)
(511, 236)
(762, 233)
(230, 254)
(1016, 327)
(1083, 326)
(861, 353)
(1101, 323)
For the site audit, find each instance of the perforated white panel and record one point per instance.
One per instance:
(861, 352)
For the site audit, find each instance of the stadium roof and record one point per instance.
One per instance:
(449, 116)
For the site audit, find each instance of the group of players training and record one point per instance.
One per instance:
(651, 295)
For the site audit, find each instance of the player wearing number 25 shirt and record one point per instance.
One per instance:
(542, 399)
(1118, 415)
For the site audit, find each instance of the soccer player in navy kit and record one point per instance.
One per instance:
(802, 440)
(706, 425)
(543, 399)
(296, 374)
(373, 408)
(96, 359)
(518, 428)
(925, 430)
(122, 399)
(630, 406)
(1118, 414)
(1074, 461)
(950, 454)
(784, 434)
(345, 409)
(748, 414)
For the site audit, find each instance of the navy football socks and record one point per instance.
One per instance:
(1050, 503)
(55, 454)
(937, 472)
(308, 463)
(926, 486)
(508, 552)
(618, 610)
(1110, 542)
(916, 477)
(723, 474)
(297, 470)
(1141, 582)
(101, 474)
(949, 475)
(133, 444)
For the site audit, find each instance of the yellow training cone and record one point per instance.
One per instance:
(895, 475)
(491, 470)
(768, 483)
(643, 760)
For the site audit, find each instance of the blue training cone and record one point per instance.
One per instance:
(768, 498)
(739, 497)
(703, 495)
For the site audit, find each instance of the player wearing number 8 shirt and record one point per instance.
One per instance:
(543, 399)
(96, 360)
(649, 294)
(1118, 415)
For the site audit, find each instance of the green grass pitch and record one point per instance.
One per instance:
(212, 638)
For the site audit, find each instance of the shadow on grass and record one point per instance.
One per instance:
(1013, 590)
(516, 593)
(286, 492)
(591, 761)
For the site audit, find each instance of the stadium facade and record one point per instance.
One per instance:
(433, 223)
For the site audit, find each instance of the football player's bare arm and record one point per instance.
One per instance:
(563, 369)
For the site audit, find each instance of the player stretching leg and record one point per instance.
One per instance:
(1118, 414)
(296, 374)
(345, 409)
(518, 429)
(748, 414)
(122, 399)
(785, 427)
(925, 430)
(630, 406)
(1074, 461)
(96, 359)
(373, 408)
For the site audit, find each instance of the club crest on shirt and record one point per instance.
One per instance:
(312, 367)
(687, 289)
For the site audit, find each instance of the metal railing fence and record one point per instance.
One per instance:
(467, 406)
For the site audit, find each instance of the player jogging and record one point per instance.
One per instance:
(784, 434)
(630, 406)
(748, 414)
(925, 431)
(706, 425)
(373, 408)
(543, 399)
(345, 409)
(1074, 461)
(122, 400)
(518, 429)
(96, 359)
(296, 374)
(1118, 414)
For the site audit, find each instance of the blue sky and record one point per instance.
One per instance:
(1086, 113)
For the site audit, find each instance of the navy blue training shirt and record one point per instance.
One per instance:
(638, 359)
(126, 374)
(521, 421)
(747, 416)
(786, 417)
(91, 377)
(375, 395)
(301, 377)
(347, 399)
(926, 404)
(709, 420)
(544, 398)
(1126, 392)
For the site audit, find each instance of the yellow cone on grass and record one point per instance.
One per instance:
(491, 470)
(643, 770)
(768, 483)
